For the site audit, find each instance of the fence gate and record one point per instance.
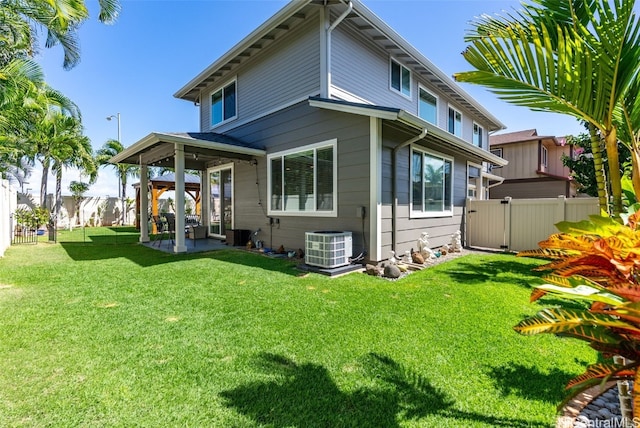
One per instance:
(519, 224)
(487, 223)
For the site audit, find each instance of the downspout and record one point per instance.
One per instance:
(329, 30)
(394, 185)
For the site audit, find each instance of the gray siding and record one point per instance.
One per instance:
(409, 229)
(362, 69)
(287, 70)
(297, 126)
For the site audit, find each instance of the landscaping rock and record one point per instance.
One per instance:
(373, 270)
(392, 271)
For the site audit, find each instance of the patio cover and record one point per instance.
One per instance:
(190, 150)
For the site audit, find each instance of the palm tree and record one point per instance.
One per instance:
(109, 150)
(570, 57)
(78, 189)
(69, 148)
(60, 19)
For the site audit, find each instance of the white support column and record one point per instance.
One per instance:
(205, 199)
(375, 189)
(144, 202)
(180, 246)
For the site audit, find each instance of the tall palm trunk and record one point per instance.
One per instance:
(123, 182)
(613, 158)
(46, 163)
(58, 205)
(601, 178)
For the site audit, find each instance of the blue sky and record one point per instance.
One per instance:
(134, 66)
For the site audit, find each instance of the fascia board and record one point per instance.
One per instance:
(284, 13)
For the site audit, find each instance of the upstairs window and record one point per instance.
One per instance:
(544, 156)
(428, 106)
(478, 135)
(304, 181)
(431, 184)
(400, 78)
(223, 104)
(455, 122)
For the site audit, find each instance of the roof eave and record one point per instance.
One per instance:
(157, 137)
(411, 120)
(284, 13)
(389, 32)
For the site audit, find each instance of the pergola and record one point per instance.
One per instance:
(167, 182)
(197, 151)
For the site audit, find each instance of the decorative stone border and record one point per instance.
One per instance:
(573, 408)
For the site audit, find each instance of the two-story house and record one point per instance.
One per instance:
(325, 119)
(535, 168)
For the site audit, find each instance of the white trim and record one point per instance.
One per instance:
(217, 168)
(156, 137)
(413, 121)
(221, 88)
(333, 143)
(423, 88)
(276, 109)
(427, 214)
(402, 66)
(343, 95)
(481, 188)
(473, 134)
(375, 186)
(451, 107)
(544, 156)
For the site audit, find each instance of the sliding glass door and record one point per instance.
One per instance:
(221, 200)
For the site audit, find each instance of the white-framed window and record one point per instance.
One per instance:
(478, 135)
(303, 181)
(224, 103)
(497, 151)
(431, 184)
(427, 106)
(454, 122)
(543, 156)
(400, 78)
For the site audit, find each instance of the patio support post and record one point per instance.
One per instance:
(180, 246)
(144, 203)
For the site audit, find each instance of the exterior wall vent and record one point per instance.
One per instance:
(328, 249)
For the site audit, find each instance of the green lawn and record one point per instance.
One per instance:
(121, 335)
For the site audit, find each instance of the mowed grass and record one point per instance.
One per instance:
(122, 335)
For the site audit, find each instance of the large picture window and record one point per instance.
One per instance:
(431, 184)
(223, 104)
(303, 181)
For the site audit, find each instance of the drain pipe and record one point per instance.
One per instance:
(329, 30)
(394, 185)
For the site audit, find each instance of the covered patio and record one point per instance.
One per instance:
(179, 151)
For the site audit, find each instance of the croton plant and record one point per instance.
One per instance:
(595, 262)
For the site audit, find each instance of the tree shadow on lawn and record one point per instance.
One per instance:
(305, 395)
(504, 271)
(147, 257)
(530, 383)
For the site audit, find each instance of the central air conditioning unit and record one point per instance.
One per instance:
(328, 249)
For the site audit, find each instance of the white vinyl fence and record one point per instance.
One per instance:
(519, 224)
(8, 202)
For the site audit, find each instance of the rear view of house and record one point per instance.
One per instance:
(325, 119)
(535, 168)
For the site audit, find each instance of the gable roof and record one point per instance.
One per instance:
(520, 137)
(367, 23)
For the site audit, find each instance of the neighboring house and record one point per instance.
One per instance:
(535, 168)
(325, 119)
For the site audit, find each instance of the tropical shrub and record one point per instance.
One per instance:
(594, 272)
